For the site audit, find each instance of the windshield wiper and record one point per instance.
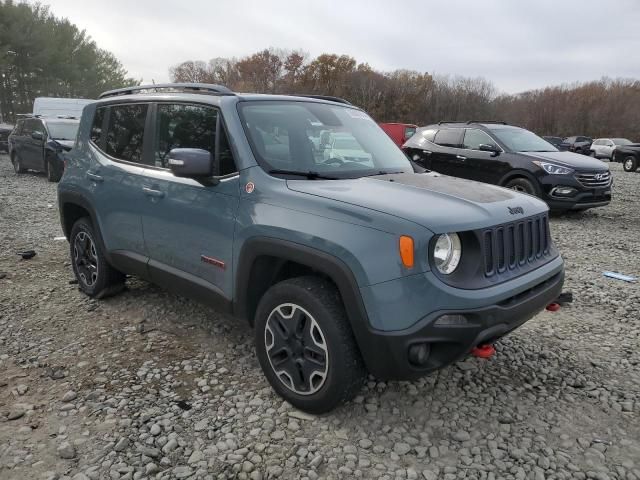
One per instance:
(382, 172)
(309, 174)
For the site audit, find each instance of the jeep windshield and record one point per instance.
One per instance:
(521, 140)
(297, 137)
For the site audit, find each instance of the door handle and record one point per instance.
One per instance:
(150, 192)
(460, 157)
(95, 178)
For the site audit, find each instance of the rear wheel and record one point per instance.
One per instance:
(630, 164)
(95, 276)
(305, 345)
(523, 185)
(17, 165)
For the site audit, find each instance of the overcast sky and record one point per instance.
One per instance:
(517, 44)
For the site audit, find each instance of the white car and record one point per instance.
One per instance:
(604, 147)
(347, 149)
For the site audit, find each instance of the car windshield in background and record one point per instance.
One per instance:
(63, 131)
(301, 136)
(621, 141)
(521, 140)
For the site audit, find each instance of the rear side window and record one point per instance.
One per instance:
(448, 137)
(125, 133)
(473, 138)
(96, 127)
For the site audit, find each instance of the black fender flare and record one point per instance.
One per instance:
(333, 267)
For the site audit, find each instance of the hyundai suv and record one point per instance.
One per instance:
(221, 197)
(512, 157)
(39, 143)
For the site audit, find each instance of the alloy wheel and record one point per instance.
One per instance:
(85, 258)
(628, 163)
(296, 349)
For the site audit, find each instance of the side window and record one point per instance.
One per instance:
(27, 128)
(38, 126)
(183, 126)
(448, 137)
(125, 132)
(96, 127)
(473, 138)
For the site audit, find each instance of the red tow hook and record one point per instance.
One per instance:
(483, 351)
(553, 307)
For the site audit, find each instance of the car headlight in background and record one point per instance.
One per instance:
(553, 169)
(447, 252)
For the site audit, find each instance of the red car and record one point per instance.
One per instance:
(399, 132)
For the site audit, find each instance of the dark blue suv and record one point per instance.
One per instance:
(231, 199)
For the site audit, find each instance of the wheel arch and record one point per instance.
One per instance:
(519, 174)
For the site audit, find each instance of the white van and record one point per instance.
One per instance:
(53, 107)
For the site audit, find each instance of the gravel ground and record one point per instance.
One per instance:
(150, 385)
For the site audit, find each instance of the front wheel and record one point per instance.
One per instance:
(630, 164)
(305, 345)
(95, 276)
(54, 172)
(521, 185)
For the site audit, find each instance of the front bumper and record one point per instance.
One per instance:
(387, 352)
(582, 197)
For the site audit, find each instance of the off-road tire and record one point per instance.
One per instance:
(108, 281)
(630, 163)
(521, 184)
(345, 370)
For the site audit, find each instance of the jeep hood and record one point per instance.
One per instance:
(437, 202)
(570, 159)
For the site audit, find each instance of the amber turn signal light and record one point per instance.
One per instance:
(406, 251)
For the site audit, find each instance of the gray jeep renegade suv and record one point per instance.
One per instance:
(342, 266)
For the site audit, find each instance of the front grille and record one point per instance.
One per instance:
(516, 245)
(595, 179)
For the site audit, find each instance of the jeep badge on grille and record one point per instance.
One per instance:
(515, 210)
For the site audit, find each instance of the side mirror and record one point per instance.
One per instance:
(489, 148)
(191, 162)
(37, 135)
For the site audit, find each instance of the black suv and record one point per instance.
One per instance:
(38, 143)
(512, 157)
(579, 144)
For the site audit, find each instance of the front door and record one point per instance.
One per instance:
(32, 151)
(188, 224)
(480, 165)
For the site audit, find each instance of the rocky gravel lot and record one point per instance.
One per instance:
(150, 385)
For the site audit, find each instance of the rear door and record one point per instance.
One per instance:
(189, 225)
(479, 165)
(448, 157)
(118, 143)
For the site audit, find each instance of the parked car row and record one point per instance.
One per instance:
(344, 263)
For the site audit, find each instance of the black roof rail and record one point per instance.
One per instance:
(451, 121)
(487, 121)
(172, 87)
(322, 97)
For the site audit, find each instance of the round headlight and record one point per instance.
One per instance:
(447, 252)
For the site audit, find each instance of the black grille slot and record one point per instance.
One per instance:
(488, 252)
(516, 245)
(511, 241)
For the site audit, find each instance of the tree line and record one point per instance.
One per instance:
(45, 56)
(599, 108)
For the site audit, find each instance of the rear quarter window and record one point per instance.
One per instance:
(96, 126)
(448, 137)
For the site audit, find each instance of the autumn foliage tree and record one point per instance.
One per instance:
(600, 108)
